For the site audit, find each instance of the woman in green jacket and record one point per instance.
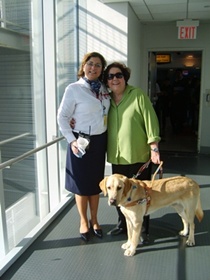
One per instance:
(133, 131)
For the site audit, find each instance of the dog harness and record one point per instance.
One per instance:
(147, 189)
(146, 199)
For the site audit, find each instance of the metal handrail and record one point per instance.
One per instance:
(10, 162)
(14, 138)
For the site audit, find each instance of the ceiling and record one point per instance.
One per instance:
(153, 11)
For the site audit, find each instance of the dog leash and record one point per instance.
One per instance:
(145, 165)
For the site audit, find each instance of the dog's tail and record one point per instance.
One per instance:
(199, 212)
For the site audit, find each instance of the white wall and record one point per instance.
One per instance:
(114, 31)
(164, 37)
(134, 43)
(103, 30)
(133, 40)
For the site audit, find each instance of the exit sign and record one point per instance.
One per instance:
(187, 32)
(187, 29)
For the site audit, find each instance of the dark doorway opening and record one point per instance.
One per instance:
(178, 99)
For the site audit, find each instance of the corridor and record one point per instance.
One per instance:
(59, 253)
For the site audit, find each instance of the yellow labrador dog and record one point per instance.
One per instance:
(138, 198)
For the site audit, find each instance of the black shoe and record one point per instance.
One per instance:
(85, 236)
(145, 239)
(96, 232)
(117, 231)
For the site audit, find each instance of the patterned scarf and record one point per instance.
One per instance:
(94, 85)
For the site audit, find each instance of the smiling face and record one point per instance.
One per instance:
(116, 84)
(93, 68)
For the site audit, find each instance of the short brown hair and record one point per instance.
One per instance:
(124, 69)
(88, 57)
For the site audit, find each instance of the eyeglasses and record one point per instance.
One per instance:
(118, 75)
(98, 65)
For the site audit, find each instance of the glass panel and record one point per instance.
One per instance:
(20, 194)
(24, 186)
(66, 63)
(18, 117)
(17, 15)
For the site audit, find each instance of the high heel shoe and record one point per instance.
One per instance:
(97, 232)
(85, 236)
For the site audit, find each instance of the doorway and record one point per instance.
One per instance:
(177, 98)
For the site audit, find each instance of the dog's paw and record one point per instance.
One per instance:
(125, 245)
(190, 243)
(129, 252)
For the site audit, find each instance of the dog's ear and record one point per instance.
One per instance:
(127, 185)
(102, 186)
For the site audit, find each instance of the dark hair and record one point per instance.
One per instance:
(124, 69)
(88, 57)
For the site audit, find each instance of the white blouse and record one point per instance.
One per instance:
(80, 103)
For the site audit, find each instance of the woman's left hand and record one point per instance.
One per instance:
(72, 123)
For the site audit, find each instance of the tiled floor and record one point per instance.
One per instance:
(59, 254)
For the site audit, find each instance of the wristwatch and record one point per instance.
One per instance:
(155, 149)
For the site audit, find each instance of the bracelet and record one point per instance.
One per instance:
(155, 150)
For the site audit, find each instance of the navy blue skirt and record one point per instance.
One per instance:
(83, 175)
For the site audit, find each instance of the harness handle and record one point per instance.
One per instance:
(158, 169)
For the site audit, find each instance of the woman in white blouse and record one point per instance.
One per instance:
(87, 101)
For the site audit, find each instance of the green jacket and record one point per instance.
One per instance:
(132, 125)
